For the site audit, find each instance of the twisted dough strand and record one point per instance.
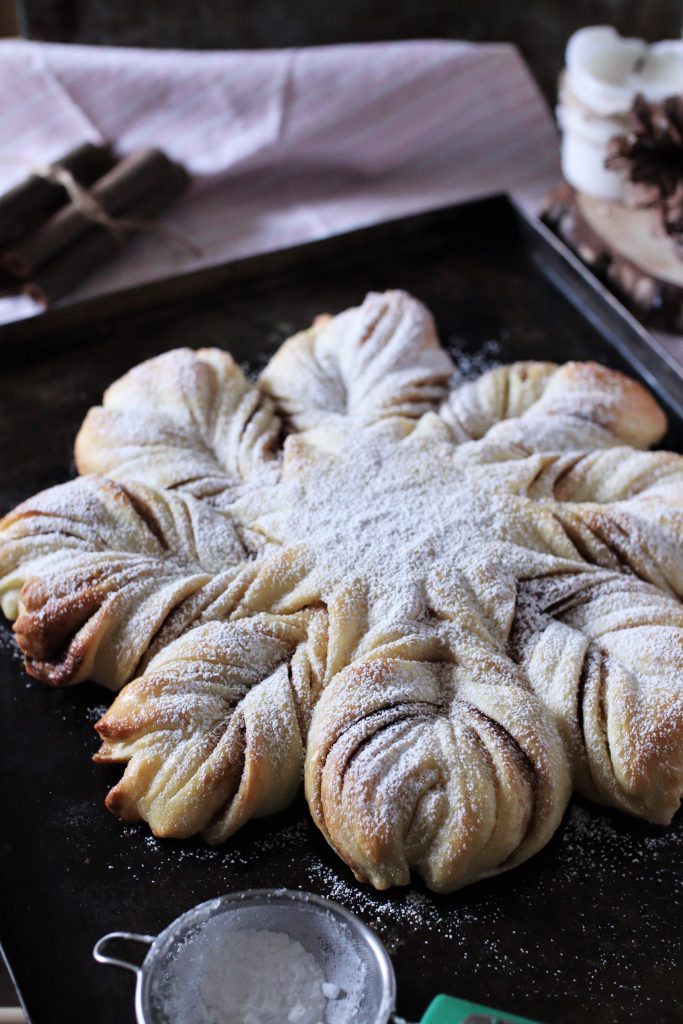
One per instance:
(214, 731)
(92, 571)
(183, 419)
(375, 362)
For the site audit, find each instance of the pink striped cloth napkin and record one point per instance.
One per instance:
(284, 146)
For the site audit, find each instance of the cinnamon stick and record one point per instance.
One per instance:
(97, 246)
(117, 190)
(25, 206)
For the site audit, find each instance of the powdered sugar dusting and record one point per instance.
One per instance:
(389, 513)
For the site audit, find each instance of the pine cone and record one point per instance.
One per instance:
(650, 156)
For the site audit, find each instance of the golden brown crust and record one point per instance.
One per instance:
(617, 402)
(546, 407)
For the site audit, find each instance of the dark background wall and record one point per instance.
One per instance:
(539, 27)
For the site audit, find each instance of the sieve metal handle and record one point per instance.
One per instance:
(102, 957)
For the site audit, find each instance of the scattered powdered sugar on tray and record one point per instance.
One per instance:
(8, 644)
(94, 713)
(470, 365)
(492, 926)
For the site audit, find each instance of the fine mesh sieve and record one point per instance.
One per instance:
(350, 955)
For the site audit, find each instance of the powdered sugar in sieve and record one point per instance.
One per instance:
(232, 955)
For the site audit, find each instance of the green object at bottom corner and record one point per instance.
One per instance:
(448, 1010)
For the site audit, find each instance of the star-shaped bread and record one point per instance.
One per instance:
(444, 606)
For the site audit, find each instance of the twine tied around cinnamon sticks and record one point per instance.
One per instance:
(86, 203)
(97, 202)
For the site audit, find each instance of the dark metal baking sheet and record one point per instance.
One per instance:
(589, 930)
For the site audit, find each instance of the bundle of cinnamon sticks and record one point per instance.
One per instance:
(68, 220)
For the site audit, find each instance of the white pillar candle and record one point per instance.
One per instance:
(604, 73)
